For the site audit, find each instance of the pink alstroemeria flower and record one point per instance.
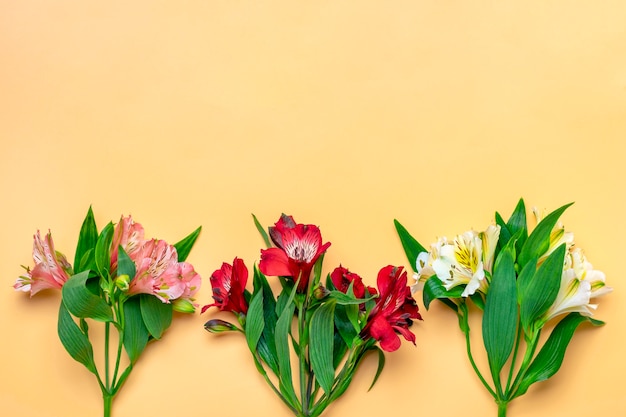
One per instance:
(130, 236)
(394, 310)
(229, 284)
(191, 281)
(51, 269)
(158, 272)
(342, 278)
(298, 248)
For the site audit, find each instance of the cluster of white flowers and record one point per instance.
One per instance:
(468, 260)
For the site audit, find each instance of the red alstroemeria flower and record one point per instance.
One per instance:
(229, 284)
(393, 311)
(298, 248)
(342, 278)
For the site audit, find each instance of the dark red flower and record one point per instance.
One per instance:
(393, 311)
(298, 248)
(342, 278)
(229, 284)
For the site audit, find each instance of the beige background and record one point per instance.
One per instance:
(344, 114)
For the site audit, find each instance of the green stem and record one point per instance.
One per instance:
(515, 351)
(466, 330)
(531, 347)
(108, 402)
(502, 408)
(120, 343)
(278, 393)
(107, 381)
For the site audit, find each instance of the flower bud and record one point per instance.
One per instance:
(219, 326)
(122, 282)
(320, 292)
(183, 305)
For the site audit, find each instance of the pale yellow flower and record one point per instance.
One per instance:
(423, 265)
(490, 240)
(558, 236)
(460, 262)
(579, 284)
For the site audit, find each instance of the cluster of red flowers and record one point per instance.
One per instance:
(298, 247)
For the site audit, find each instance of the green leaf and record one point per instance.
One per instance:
(500, 316)
(517, 224)
(517, 220)
(283, 326)
(103, 250)
(266, 346)
(551, 355)
(321, 342)
(345, 326)
(539, 240)
(478, 300)
(125, 265)
(262, 231)
(353, 313)
(412, 247)
(81, 302)
(317, 272)
(87, 239)
(184, 246)
(157, 315)
(345, 299)
(87, 262)
(339, 349)
(76, 343)
(540, 292)
(505, 233)
(381, 365)
(84, 327)
(434, 290)
(136, 334)
(525, 278)
(254, 321)
(122, 379)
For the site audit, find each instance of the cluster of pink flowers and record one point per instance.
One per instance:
(158, 271)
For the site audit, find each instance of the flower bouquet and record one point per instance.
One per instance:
(520, 281)
(130, 284)
(328, 327)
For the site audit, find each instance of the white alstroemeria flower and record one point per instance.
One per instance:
(423, 265)
(579, 284)
(490, 241)
(558, 236)
(461, 263)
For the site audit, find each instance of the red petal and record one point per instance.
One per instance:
(382, 331)
(274, 262)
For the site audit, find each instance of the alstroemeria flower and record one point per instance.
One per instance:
(229, 284)
(462, 262)
(130, 236)
(158, 272)
(51, 269)
(579, 284)
(424, 264)
(558, 236)
(191, 282)
(342, 278)
(394, 310)
(298, 248)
